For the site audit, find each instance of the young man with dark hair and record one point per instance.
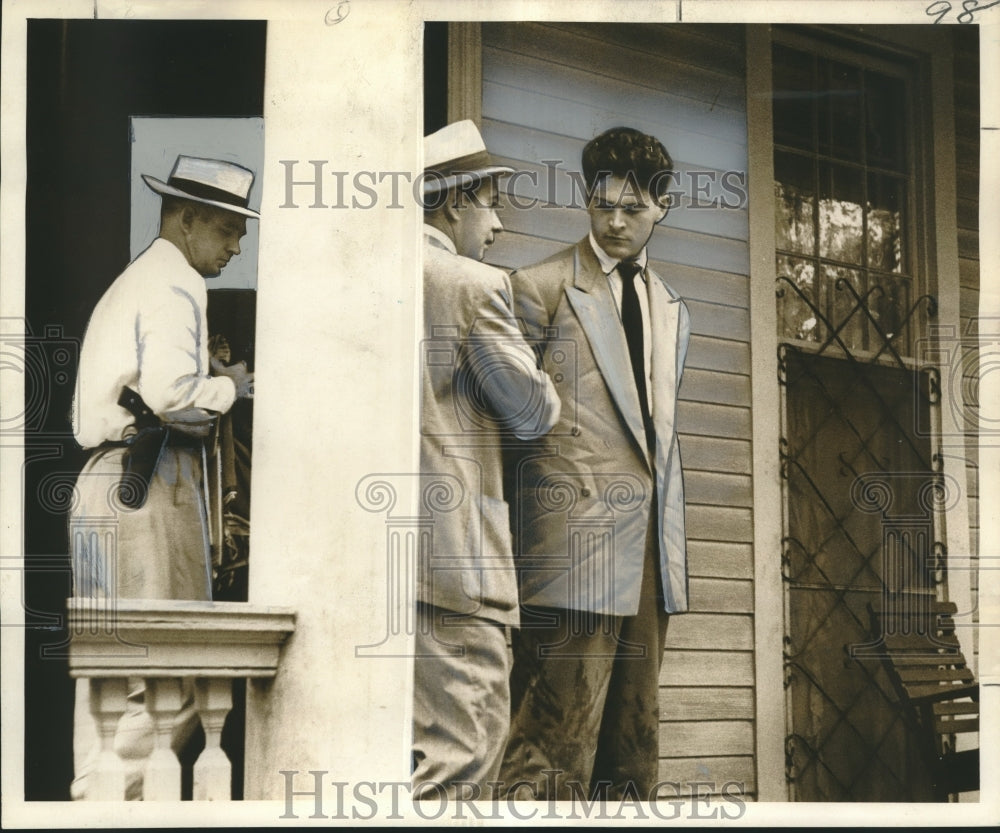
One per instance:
(599, 523)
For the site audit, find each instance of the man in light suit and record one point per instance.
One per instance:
(481, 386)
(599, 520)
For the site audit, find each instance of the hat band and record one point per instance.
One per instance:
(207, 192)
(470, 164)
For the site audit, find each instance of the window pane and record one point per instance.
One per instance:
(844, 312)
(795, 203)
(795, 316)
(840, 112)
(794, 101)
(840, 216)
(886, 247)
(889, 308)
(885, 113)
(842, 190)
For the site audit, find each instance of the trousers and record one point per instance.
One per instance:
(461, 704)
(585, 699)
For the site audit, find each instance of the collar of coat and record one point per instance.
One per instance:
(438, 238)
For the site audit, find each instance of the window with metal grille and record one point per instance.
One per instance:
(859, 530)
(843, 196)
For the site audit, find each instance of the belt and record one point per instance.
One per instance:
(175, 439)
(179, 439)
(107, 445)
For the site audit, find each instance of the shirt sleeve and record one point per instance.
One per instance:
(173, 367)
(505, 371)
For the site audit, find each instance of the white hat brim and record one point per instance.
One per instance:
(434, 184)
(170, 191)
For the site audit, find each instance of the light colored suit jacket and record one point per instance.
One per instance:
(482, 387)
(584, 493)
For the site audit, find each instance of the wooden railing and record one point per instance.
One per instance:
(172, 646)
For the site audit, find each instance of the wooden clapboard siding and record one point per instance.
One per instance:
(719, 523)
(703, 285)
(734, 489)
(715, 454)
(967, 88)
(723, 355)
(665, 51)
(719, 320)
(713, 420)
(683, 702)
(720, 595)
(720, 559)
(737, 772)
(707, 668)
(723, 388)
(709, 631)
(705, 737)
(547, 89)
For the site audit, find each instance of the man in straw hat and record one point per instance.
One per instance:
(146, 397)
(482, 386)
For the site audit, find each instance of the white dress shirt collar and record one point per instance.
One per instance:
(608, 263)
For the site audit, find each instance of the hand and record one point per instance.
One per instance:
(242, 378)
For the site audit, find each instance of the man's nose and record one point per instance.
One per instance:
(497, 225)
(618, 218)
(234, 247)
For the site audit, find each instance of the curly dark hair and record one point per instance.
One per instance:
(624, 151)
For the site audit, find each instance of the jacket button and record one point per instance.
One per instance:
(585, 492)
(576, 431)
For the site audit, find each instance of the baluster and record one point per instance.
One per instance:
(163, 772)
(213, 698)
(107, 705)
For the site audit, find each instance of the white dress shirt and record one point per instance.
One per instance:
(148, 332)
(609, 266)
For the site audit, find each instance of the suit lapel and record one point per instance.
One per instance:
(667, 322)
(594, 306)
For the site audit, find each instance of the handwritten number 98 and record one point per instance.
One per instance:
(941, 8)
(968, 13)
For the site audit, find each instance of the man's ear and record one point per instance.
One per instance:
(453, 205)
(663, 206)
(188, 216)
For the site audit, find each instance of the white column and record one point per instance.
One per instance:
(163, 771)
(315, 549)
(213, 698)
(107, 705)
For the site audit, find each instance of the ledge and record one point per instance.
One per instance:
(166, 638)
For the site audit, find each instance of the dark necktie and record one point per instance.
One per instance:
(632, 323)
